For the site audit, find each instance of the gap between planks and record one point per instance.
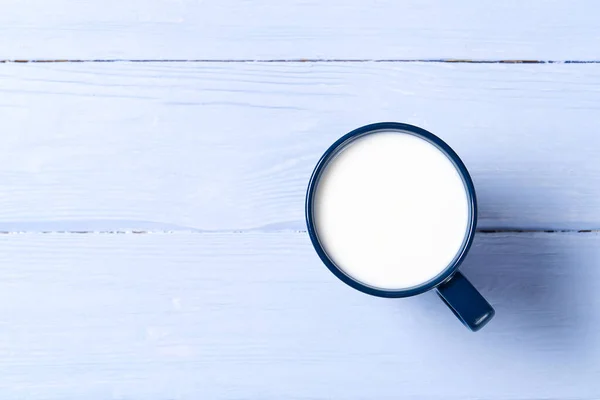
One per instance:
(251, 231)
(308, 60)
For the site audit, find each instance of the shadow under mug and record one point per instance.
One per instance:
(452, 286)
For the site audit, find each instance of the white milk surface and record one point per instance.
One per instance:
(391, 210)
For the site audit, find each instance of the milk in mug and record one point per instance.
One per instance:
(391, 210)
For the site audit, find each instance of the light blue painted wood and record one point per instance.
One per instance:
(193, 147)
(229, 316)
(226, 146)
(234, 29)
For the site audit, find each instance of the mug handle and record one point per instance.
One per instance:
(465, 302)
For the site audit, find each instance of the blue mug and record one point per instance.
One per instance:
(452, 286)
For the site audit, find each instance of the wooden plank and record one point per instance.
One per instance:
(269, 29)
(231, 146)
(258, 316)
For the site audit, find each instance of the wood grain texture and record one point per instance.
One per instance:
(228, 316)
(269, 29)
(171, 146)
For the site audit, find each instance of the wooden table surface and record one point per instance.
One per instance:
(154, 159)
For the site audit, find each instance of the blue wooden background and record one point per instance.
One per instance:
(153, 162)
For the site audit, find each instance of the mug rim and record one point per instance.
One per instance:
(332, 151)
